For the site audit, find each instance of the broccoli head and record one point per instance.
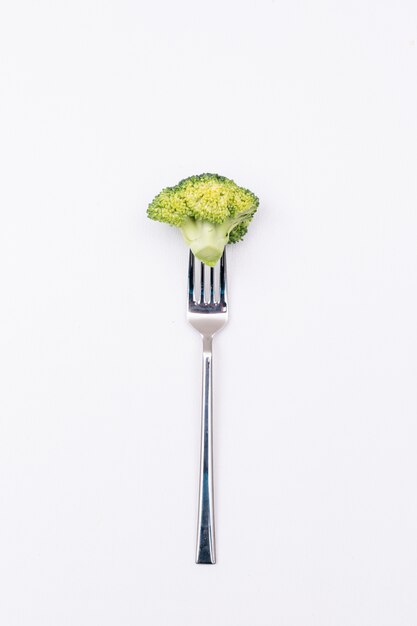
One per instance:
(210, 210)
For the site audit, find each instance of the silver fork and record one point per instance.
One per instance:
(207, 314)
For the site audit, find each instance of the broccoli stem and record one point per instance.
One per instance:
(206, 240)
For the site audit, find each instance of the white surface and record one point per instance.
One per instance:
(313, 106)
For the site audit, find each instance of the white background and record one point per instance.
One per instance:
(313, 106)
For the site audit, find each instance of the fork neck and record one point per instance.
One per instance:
(207, 343)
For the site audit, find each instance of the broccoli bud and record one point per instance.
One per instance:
(210, 210)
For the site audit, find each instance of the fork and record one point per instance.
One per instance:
(208, 314)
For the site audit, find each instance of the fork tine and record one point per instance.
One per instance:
(191, 278)
(202, 284)
(211, 285)
(223, 280)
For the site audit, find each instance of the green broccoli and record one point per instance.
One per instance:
(210, 210)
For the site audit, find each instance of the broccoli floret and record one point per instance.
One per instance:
(210, 210)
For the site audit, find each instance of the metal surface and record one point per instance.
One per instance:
(207, 313)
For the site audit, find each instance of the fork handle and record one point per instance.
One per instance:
(206, 550)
